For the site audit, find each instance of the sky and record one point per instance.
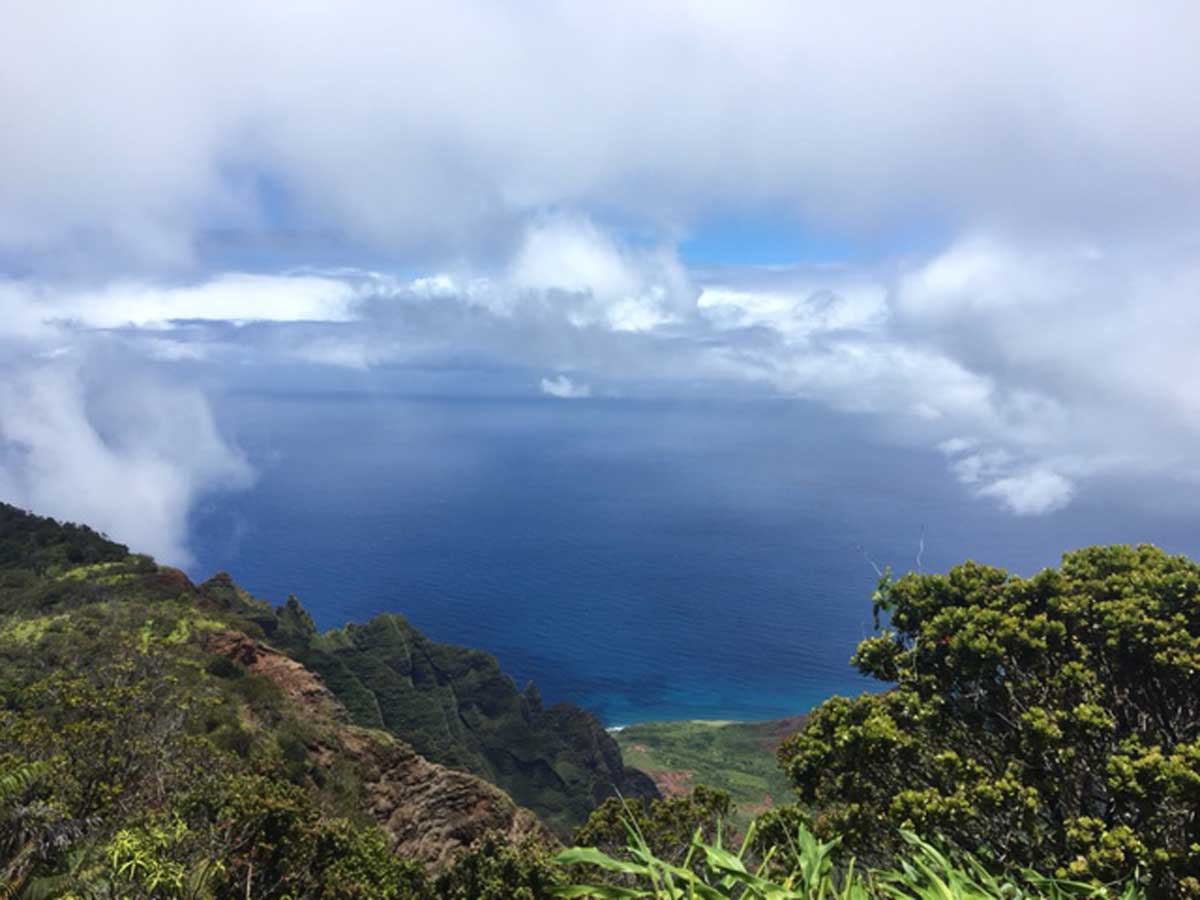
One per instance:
(975, 224)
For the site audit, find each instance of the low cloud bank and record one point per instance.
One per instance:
(1035, 369)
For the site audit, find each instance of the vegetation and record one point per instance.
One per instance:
(735, 757)
(496, 870)
(1044, 725)
(127, 769)
(455, 706)
(1051, 722)
(710, 871)
(667, 826)
(135, 763)
(36, 545)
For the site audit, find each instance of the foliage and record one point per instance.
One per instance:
(273, 840)
(1051, 722)
(133, 764)
(1048, 724)
(136, 764)
(40, 545)
(710, 871)
(456, 707)
(666, 825)
(496, 870)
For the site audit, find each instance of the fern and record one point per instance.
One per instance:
(17, 780)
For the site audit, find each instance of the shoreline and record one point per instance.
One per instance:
(712, 723)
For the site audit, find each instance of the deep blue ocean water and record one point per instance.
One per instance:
(646, 559)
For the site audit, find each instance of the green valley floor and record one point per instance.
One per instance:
(738, 757)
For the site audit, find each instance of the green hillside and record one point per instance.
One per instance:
(134, 762)
(455, 706)
(156, 740)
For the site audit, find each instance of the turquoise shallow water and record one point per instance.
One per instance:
(647, 559)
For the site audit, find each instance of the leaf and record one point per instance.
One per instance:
(590, 856)
(599, 891)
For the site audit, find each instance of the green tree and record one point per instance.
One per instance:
(1051, 721)
(667, 825)
(494, 869)
(665, 828)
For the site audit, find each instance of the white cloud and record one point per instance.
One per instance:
(127, 455)
(236, 297)
(1018, 362)
(575, 257)
(1035, 492)
(564, 388)
(984, 467)
(174, 350)
(434, 129)
(572, 260)
(956, 445)
(1035, 365)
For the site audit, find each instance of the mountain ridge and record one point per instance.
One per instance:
(454, 705)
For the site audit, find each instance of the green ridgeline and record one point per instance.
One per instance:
(135, 764)
(455, 706)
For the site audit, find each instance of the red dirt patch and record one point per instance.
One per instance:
(673, 782)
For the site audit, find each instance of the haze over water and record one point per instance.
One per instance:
(646, 559)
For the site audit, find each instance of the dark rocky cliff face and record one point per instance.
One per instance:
(431, 813)
(457, 708)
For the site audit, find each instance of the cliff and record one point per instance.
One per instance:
(429, 740)
(429, 812)
(125, 689)
(455, 706)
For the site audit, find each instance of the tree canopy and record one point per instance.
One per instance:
(1051, 721)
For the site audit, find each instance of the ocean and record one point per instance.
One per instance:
(647, 559)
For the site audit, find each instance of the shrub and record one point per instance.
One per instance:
(1051, 722)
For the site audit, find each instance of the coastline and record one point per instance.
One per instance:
(712, 723)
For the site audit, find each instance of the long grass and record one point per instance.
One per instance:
(712, 872)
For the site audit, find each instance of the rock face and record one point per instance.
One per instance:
(298, 684)
(430, 812)
(456, 707)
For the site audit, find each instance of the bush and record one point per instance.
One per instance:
(1051, 722)
(494, 869)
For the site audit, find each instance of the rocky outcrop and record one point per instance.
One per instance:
(303, 688)
(453, 704)
(456, 707)
(430, 812)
